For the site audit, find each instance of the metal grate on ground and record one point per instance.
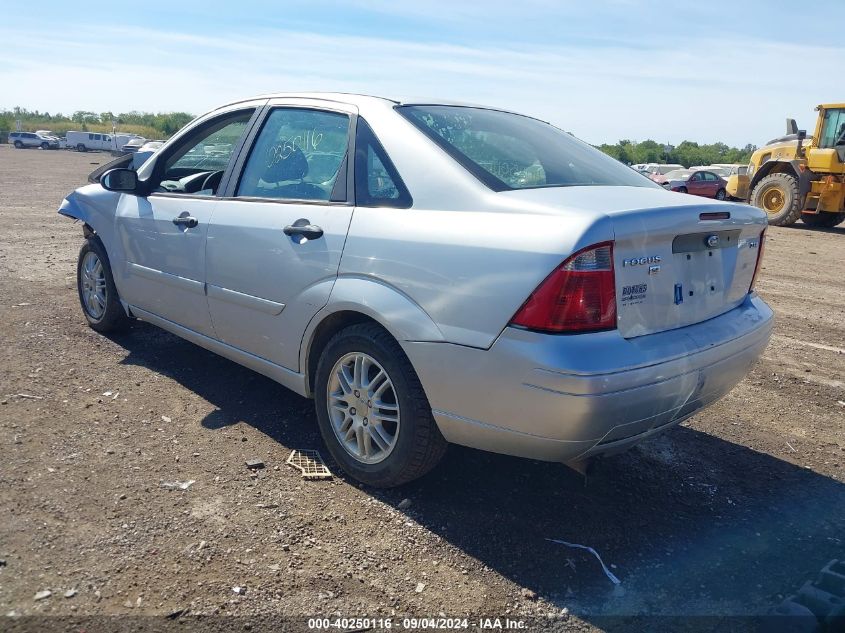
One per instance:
(309, 463)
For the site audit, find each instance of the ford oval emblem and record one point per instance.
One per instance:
(712, 241)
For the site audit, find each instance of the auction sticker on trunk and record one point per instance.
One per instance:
(632, 295)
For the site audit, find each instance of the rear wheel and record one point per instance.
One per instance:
(45, 145)
(721, 194)
(777, 194)
(372, 411)
(97, 293)
(823, 219)
(18, 145)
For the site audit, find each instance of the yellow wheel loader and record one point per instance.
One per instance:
(795, 177)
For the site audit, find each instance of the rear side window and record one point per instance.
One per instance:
(298, 155)
(377, 183)
(508, 151)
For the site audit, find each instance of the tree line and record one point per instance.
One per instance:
(159, 125)
(687, 153)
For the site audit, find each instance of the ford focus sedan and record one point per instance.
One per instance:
(430, 274)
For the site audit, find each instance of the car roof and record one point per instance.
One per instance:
(364, 100)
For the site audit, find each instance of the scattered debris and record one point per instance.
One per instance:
(177, 485)
(2, 562)
(255, 463)
(527, 593)
(404, 504)
(27, 396)
(70, 593)
(43, 595)
(791, 447)
(175, 615)
(420, 587)
(239, 590)
(164, 418)
(310, 463)
(607, 572)
(841, 403)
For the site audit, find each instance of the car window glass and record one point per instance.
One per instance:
(509, 151)
(709, 176)
(377, 183)
(197, 164)
(695, 177)
(296, 156)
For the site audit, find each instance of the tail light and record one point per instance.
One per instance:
(760, 250)
(579, 295)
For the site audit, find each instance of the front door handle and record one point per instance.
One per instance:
(186, 221)
(304, 228)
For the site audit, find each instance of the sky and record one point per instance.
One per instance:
(604, 70)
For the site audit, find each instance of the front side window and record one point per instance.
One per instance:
(297, 156)
(198, 163)
(377, 183)
(833, 129)
(509, 151)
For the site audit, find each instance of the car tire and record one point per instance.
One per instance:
(97, 292)
(18, 145)
(45, 146)
(80, 147)
(682, 189)
(778, 195)
(721, 194)
(823, 219)
(415, 443)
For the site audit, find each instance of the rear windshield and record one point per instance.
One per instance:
(509, 151)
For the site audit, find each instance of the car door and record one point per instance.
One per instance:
(711, 182)
(163, 234)
(275, 240)
(695, 184)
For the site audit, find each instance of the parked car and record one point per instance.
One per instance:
(656, 170)
(698, 183)
(85, 141)
(32, 139)
(391, 261)
(133, 145)
(151, 146)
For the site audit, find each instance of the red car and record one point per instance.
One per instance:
(699, 183)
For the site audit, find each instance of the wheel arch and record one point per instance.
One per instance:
(773, 167)
(356, 300)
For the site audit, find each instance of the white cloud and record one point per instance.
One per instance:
(699, 89)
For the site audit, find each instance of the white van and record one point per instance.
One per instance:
(84, 141)
(657, 169)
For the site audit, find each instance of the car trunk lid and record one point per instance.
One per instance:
(678, 259)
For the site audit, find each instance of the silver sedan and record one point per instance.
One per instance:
(430, 273)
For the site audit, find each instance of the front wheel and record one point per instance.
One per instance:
(823, 219)
(682, 189)
(721, 194)
(778, 195)
(372, 411)
(45, 146)
(80, 147)
(97, 292)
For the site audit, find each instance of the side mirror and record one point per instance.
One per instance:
(120, 180)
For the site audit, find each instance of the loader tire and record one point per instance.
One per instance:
(778, 195)
(823, 219)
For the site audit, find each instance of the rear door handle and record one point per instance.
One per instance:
(304, 228)
(186, 221)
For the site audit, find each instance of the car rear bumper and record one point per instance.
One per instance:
(563, 398)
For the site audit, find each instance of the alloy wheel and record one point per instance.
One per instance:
(93, 286)
(363, 407)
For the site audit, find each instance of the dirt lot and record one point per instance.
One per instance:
(724, 515)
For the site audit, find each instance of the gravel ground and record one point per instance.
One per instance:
(722, 516)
